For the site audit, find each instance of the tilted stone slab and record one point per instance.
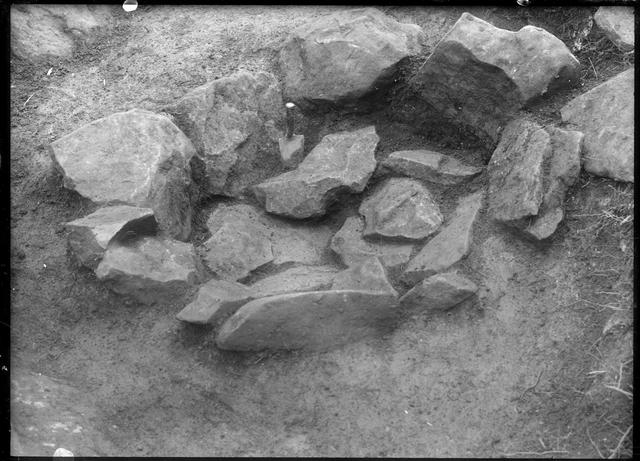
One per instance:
(617, 22)
(317, 320)
(368, 275)
(150, 269)
(345, 55)
(90, 236)
(401, 208)
(439, 292)
(450, 245)
(134, 158)
(605, 116)
(295, 279)
(342, 161)
(430, 166)
(233, 123)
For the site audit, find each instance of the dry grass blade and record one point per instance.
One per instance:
(594, 445)
(535, 453)
(616, 450)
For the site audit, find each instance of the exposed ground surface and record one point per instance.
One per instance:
(503, 374)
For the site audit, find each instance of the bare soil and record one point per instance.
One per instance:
(508, 373)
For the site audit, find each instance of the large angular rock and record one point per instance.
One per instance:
(245, 238)
(439, 292)
(368, 275)
(430, 166)
(342, 161)
(617, 22)
(317, 320)
(452, 243)
(479, 76)
(150, 269)
(134, 158)
(605, 116)
(345, 55)
(233, 123)
(401, 208)
(90, 236)
(352, 248)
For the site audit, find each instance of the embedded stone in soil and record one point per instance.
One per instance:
(368, 274)
(439, 292)
(617, 22)
(430, 166)
(291, 150)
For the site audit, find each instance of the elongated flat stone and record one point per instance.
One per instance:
(430, 166)
(439, 292)
(368, 275)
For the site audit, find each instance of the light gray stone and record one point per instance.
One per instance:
(617, 22)
(367, 275)
(605, 116)
(342, 161)
(291, 150)
(430, 166)
(439, 292)
(401, 208)
(296, 279)
(134, 158)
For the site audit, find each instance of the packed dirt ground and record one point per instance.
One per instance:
(524, 369)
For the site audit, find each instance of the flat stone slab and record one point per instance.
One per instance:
(296, 279)
(439, 292)
(617, 23)
(216, 300)
(90, 236)
(344, 55)
(234, 124)
(367, 275)
(430, 166)
(342, 161)
(317, 320)
(133, 158)
(352, 248)
(150, 269)
(401, 208)
(605, 116)
(450, 245)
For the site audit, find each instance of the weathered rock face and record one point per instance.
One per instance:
(605, 116)
(150, 269)
(134, 158)
(291, 150)
(401, 208)
(41, 31)
(478, 76)
(452, 243)
(89, 236)
(245, 238)
(341, 161)
(349, 243)
(617, 23)
(233, 124)
(345, 55)
(316, 320)
(368, 275)
(430, 166)
(439, 292)
(296, 279)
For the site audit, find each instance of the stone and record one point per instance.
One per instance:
(245, 238)
(133, 158)
(296, 279)
(352, 248)
(90, 236)
(316, 320)
(291, 150)
(450, 245)
(367, 275)
(439, 292)
(343, 56)
(479, 76)
(233, 123)
(342, 161)
(617, 22)
(401, 208)
(605, 116)
(150, 269)
(430, 166)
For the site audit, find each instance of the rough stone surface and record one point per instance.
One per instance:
(430, 166)
(233, 124)
(439, 292)
(479, 76)
(352, 248)
(317, 320)
(401, 208)
(605, 116)
(617, 23)
(296, 279)
(341, 161)
(291, 150)
(150, 269)
(368, 275)
(134, 158)
(89, 236)
(345, 55)
(45, 31)
(452, 243)
(245, 238)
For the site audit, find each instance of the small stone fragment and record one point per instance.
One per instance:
(291, 150)
(430, 166)
(368, 275)
(617, 22)
(439, 292)
(216, 300)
